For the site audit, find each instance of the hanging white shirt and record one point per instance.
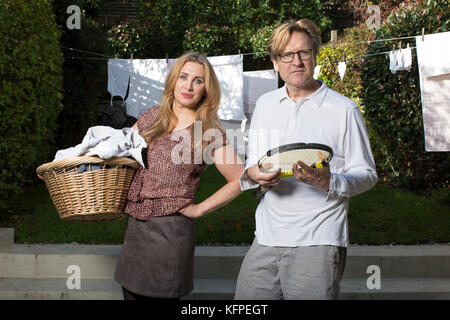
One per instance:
(230, 73)
(118, 77)
(293, 213)
(147, 80)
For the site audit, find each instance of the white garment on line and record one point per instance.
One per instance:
(400, 60)
(256, 83)
(147, 78)
(229, 71)
(435, 54)
(107, 142)
(342, 66)
(118, 77)
(434, 75)
(317, 71)
(406, 56)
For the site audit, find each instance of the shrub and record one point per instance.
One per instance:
(30, 90)
(85, 81)
(212, 40)
(393, 101)
(348, 49)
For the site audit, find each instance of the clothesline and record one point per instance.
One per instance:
(367, 41)
(324, 64)
(243, 54)
(84, 51)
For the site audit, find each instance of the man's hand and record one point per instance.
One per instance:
(317, 177)
(264, 179)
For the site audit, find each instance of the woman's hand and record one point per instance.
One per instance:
(192, 211)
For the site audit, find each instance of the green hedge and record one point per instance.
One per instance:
(393, 101)
(85, 76)
(30, 90)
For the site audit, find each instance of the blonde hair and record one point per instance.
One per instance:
(281, 35)
(207, 108)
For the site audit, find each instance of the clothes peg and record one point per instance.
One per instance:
(167, 58)
(131, 56)
(423, 34)
(400, 45)
(239, 51)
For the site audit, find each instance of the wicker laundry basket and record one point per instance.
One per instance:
(89, 188)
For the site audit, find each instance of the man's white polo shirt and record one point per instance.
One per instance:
(294, 213)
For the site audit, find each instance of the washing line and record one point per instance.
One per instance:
(250, 53)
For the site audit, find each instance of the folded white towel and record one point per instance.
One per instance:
(107, 142)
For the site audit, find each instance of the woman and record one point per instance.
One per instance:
(157, 256)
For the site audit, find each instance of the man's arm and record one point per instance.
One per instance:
(359, 174)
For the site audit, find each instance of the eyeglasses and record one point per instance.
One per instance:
(302, 54)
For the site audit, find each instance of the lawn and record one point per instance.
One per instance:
(383, 215)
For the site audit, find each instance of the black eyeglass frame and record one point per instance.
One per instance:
(291, 54)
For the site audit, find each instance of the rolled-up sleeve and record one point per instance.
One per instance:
(359, 174)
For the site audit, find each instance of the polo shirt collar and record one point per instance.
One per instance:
(317, 96)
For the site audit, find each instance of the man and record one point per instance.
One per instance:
(301, 235)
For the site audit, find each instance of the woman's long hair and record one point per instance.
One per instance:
(207, 108)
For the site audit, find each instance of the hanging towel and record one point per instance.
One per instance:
(147, 78)
(256, 83)
(106, 143)
(118, 77)
(435, 54)
(229, 71)
(434, 75)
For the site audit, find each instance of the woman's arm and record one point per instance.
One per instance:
(230, 166)
(135, 127)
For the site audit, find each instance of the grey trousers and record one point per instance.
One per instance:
(291, 273)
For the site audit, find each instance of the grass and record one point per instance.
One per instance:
(383, 215)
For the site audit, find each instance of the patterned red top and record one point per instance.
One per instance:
(169, 180)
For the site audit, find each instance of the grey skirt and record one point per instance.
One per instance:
(157, 257)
